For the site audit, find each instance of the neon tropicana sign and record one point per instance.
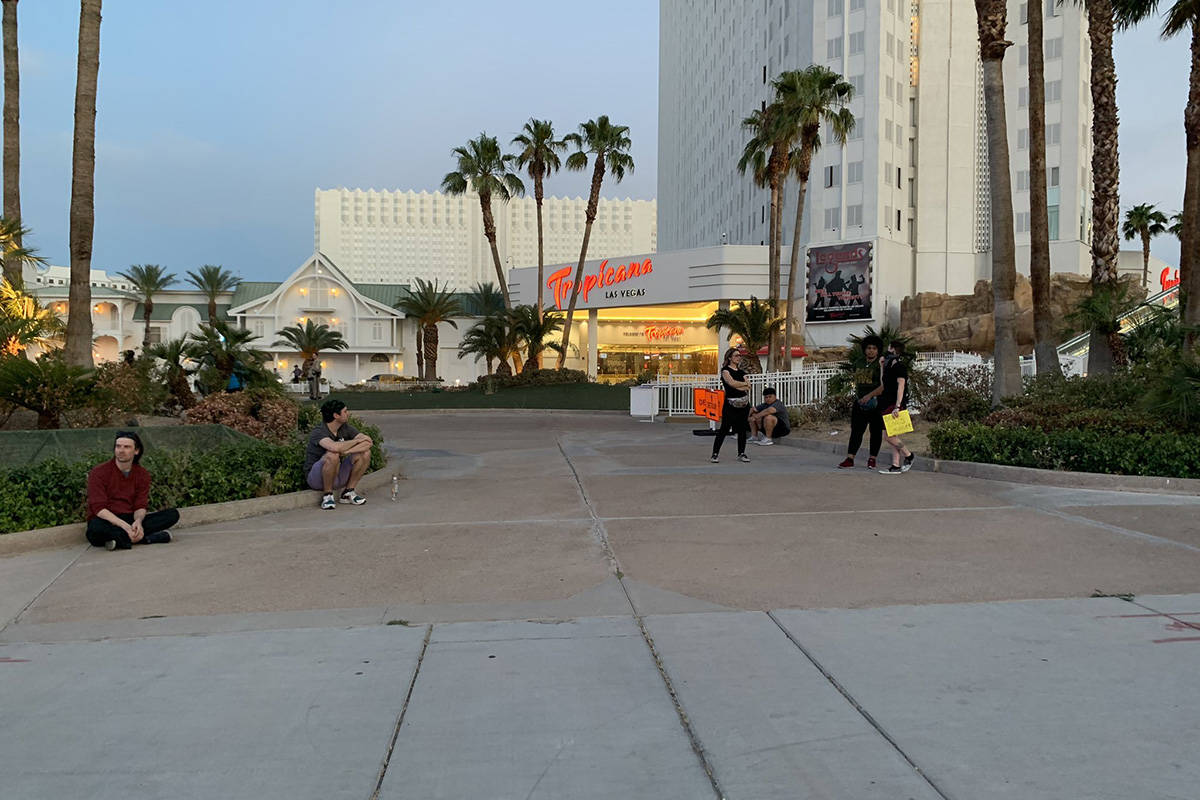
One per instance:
(604, 277)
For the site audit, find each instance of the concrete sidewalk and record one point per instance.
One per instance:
(582, 606)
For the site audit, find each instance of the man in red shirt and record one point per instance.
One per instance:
(118, 492)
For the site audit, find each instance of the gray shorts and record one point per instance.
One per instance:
(343, 476)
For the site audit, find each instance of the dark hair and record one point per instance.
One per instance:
(331, 408)
(897, 345)
(867, 341)
(770, 390)
(729, 354)
(138, 448)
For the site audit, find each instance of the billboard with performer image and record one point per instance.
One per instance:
(839, 283)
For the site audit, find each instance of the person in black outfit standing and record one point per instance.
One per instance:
(894, 400)
(735, 413)
(865, 412)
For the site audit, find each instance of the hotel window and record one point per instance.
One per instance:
(888, 88)
(259, 328)
(857, 5)
(1022, 180)
(1022, 219)
(856, 132)
(897, 220)
(833, 176)
(899, 133)
(899, 181)
(835, 8)
(1053, 134)
(891, 45)
(854, 172)
(1053, 91)
(887, 129)
(1053, 180)
(857, 82)
(833, 47)
(857, 42)
(1054, 49)
(1024, 13)
(1052, 222)
(854, 216)
(832, 218)
(887, 170)
(376, 331)
(1023, 97)
(1023, 139)
(1023, 55)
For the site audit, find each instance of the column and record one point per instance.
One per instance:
(593, 355)
(722, 333)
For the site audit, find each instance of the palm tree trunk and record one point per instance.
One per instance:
(1145, 258)
(212, 309)
(431, 348)
(1044, 349)
(589, 218)
(541, 282)
(794, 327)
(489, 230)
(1006, 371)
(78, 349)
(1106, 207)
(1189, 276)
(420, 353)
(12, 129)
(774, 260)
(147, 310)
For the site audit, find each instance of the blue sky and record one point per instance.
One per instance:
(217, 120)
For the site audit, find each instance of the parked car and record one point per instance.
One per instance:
(383, 377)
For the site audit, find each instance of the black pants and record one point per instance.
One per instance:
(861, 419)
(99, 531)
(733, 420)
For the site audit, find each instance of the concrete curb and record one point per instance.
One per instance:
(1040, 477)
(73, 534)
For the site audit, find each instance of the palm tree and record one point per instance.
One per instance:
(25, 321)
(223, 347)
(534, 330)
(309, 341)
(1144, 221)
(78, 349)
(148, 280)
(13, 251)
(1176, 228)
(539, 157)
(213, 281)
(430, 304)
(12, 124)
(608, 146)
(485, 170)
(807, 99)
(491, 339)
(992, 16)
(754, 324)
(483, 300)
(1044, 347)
(767, 155)
(174, 353)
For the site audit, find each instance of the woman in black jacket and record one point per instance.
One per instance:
(735, 413)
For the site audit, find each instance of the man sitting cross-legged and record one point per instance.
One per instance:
(118, 492)
(337, 456)
(769, 419)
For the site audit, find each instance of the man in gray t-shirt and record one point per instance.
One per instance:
(769, 419)
(337, 455)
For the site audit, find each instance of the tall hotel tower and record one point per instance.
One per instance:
(913, 178)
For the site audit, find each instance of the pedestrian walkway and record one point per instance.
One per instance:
(580, 605)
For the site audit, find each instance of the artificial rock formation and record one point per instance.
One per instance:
(942, 322)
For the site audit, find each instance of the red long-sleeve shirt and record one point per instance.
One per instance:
(108, 487)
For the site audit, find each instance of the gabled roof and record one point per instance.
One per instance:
(386, 293)
(164, 311)
(264, 293)
(251, 290)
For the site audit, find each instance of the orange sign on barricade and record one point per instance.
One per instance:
(708, 403)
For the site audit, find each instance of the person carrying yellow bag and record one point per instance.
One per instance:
(894, 402)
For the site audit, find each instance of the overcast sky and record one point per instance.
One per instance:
(217, 120)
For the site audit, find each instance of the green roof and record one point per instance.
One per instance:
(164, 311)
(251, 290)
(386, 293)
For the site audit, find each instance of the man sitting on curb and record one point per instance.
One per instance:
(118, 492)
(337, 455)
(769, 419)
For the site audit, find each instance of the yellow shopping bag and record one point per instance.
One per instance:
(897, 425)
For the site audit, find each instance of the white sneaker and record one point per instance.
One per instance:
(327, 503)
(764, 442)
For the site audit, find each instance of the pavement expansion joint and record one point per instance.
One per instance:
(1117, 529)
(387, 757)
(601, 533)
(866, 715)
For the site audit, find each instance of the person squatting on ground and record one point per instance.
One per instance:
(894, 400)
(735, 413)
(864, 413)
(118, 492)
(337, 456)
(769, 419)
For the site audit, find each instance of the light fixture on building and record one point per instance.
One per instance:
(282, 363)
(333, 292)
(304, 291)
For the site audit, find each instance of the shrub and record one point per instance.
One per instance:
(541, 377)
(961, 404)
(131, 386)
(1086, 450)
(49, 386)
(258, 413)
(832, 407)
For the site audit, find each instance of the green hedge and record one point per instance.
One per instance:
(1169, 454)
(53, 492)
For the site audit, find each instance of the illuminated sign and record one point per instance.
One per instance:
(655, 333)
(604, 277)
(1168, 279)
